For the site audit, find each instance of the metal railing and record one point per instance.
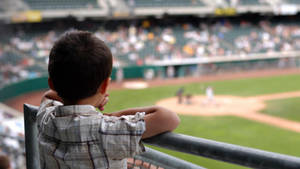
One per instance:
(31, 134)
(235, 154)
(162, 160)
(151, 157)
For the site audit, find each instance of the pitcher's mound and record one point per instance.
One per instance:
(221, 105)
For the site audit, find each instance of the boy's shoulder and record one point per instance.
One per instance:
(55, 109)
(86, 118)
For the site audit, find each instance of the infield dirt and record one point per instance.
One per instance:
(245, 107)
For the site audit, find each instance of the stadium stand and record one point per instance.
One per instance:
(15, 66)
(11, 139)
(293, 2)
(13, 146)
(165, 3)
(250, 2)
(25, 56)
(237, 3)
(58, 4)
(24, 50)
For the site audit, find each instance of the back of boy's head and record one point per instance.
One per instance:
(78, 63)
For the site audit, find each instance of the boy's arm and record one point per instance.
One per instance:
(157, 119)
(133, 111)
(51, 94)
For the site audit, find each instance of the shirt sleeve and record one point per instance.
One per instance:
(121, 136)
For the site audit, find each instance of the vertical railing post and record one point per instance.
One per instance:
(31, 141)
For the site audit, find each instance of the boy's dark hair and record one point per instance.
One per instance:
(4, 162)
(78, 63)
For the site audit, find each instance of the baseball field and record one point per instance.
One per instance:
(258, 112)
(229, 128)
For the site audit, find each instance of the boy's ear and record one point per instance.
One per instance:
(50, 83)
(104, 86)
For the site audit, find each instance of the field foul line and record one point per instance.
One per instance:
(276, 96)
(271, 120)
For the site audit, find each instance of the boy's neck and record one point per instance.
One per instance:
(94, 100)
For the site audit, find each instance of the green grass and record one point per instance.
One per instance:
(236, 131)
(285, 108)
(226, 129)
(120, 99)
(254, 86)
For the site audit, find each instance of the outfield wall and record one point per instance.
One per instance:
(41, 83)
(23, 87)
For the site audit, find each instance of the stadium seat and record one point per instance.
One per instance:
(293, 1)
(58, 4)
(166, 3)
(249, 2)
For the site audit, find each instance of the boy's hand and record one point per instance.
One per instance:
(51, 94)
(103, 102)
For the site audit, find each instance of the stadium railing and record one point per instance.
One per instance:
(235, 154)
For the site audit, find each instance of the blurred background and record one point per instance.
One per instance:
(150, 40)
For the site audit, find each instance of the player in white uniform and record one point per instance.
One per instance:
(210, 100)
(209, 93)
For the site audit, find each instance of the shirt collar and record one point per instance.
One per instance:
(76, 110)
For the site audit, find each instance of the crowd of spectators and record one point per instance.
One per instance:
(12, 140)
(26, 55)
(16, 66)
(271, 38)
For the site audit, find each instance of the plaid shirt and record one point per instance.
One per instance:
(79, 137)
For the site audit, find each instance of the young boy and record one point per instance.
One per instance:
(72, 133)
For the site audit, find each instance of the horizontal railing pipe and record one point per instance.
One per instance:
(166, 161)
(225, 152)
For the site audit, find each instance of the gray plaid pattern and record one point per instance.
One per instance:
(79, 137)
